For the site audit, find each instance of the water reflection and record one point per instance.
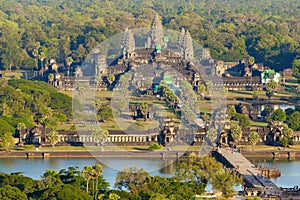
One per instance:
(8, 162)
(169, 168)
(53, 163)
(290, 173)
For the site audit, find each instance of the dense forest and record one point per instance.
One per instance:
(27, 103)
(192, 175)
(32, 32)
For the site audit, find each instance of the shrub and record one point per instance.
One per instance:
(154, 147)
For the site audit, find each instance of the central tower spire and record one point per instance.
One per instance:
(156, 32)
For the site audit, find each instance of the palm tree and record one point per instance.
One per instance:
(44, 121)
(53, 138)
(35, 53)
(87, 173)
(271, 88)
(144, 108)
(42, 57)
(236, 133)
(97, 173)
(69, 61)
(253, 139)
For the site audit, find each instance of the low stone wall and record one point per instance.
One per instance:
(93, 154)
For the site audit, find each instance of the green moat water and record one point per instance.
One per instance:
(290, 169)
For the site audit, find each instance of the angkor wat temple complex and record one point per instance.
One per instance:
(158, 52)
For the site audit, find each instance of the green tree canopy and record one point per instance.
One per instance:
(131, 178)
(53, 138)
(253, 138)
(294, 120)
(236, 133)
(279, 115)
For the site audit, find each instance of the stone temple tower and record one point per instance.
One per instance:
(127, 42)
(187, 46)
(156, 32)
(180, 40)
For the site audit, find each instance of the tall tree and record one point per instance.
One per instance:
(199, 171)
(87, 173)
(144, 108)
(97, 173)
(51, 178)
(53, 138)
(69, 61)
(294, 120)
(131, 178)
(224, 181)
(253, 139)
(236, 133)
(271, 88)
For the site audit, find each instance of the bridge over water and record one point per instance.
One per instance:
(255, 183)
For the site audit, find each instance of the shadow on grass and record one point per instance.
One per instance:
(140, 148)
(241, 92)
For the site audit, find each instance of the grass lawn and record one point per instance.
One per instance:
(124, 124)
(258, 124)
(245, 94)
(269, 148)
(59, 148)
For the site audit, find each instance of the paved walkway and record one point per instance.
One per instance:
(250, 173)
